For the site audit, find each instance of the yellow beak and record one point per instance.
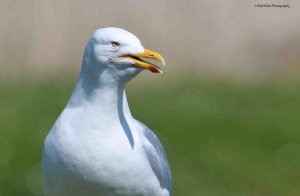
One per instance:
(146, 65)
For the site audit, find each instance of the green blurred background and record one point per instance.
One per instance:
(226, 108)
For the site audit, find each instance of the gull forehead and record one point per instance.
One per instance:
(108, 34)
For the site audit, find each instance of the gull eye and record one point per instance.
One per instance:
(115, 44)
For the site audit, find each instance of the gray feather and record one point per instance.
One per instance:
(157, 158)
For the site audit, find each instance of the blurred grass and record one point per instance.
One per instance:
(221, 138)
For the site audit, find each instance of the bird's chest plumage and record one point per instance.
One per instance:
(81, 160)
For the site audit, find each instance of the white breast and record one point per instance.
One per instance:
(96, 162)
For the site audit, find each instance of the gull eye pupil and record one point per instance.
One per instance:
(115, 44)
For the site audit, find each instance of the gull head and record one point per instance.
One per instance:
(120, 52)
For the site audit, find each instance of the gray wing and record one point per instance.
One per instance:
(157, 158)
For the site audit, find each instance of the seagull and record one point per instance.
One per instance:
(96, 147)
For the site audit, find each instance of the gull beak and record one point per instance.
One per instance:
(146, 65)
